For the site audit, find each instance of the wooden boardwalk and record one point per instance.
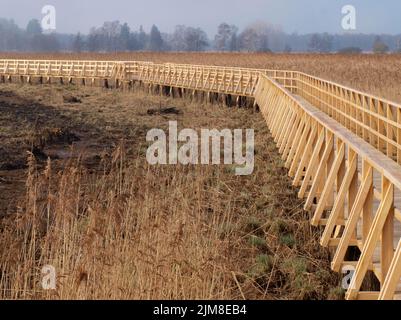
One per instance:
(377, 181)
(342, 148)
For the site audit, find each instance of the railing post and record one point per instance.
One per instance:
(374, 235)
(387, 236)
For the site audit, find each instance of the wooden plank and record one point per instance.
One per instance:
(368, 296)
(305, 159)
(300, 148)
(312, 164)
(393, 277)
(374, 234)
(353, 219)
(340, 200)
(319, 173)
(329, 185)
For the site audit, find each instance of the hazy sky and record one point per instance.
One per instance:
(302, 16)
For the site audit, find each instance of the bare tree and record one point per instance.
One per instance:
(254, 38)
(321, 43)
(155, 40)
(379, 46)
(142, 38)
(125, 36)
(226, 38)
(196, 39)
(34, 27)
(189, 39)
(78, 43)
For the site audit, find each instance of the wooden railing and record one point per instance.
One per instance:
(376, 120)
(234, 81)
(341, 148)
(55, 68)
(324, 158)
(227, 81)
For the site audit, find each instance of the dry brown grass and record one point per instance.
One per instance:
(115, 238)
(125, 230)
(375, 74)
(140, 232)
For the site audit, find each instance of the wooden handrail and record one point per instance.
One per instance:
(323, 158)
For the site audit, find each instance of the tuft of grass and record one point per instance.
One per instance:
(295, 265)
(230, 169)
(337, 293)
(252, 224)
(279, 226)
(265, 260)
(227, 229)
(261, 203)
(262, 266)
(287, 240)
(256, 241)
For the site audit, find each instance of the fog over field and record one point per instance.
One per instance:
(292, 15)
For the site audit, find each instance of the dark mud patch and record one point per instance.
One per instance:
(164, 111)
(28, 126)
(71, 99)
(15, 165)
(51, 136)
(56, 130)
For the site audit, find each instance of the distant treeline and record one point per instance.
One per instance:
(258, 37)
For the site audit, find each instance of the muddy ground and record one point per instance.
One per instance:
(62, 122)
